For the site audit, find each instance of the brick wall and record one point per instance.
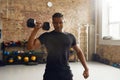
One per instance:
(14, 14)
(110, 52)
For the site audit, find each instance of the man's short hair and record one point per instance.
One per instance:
(57, 15)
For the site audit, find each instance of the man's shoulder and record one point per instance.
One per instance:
(46, 33)
(68, 33)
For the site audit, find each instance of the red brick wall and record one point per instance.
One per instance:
(14, 14)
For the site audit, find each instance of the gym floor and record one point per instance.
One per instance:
(98, 71)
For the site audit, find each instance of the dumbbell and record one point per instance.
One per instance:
(32, 22)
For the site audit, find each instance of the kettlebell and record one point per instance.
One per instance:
(32, 22)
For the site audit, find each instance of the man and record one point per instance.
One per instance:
(57, 44)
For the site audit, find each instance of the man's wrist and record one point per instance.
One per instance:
(36, 29)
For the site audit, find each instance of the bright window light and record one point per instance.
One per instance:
(111, 13)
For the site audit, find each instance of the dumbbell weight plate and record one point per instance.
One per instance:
(31, 23)
(46, 26)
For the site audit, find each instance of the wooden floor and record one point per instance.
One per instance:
(98, 71)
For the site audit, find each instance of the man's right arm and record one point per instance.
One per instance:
(34, 43)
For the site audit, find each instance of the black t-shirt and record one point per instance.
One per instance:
(57, 45)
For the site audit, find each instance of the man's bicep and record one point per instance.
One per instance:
(77, 49)
(37, 44)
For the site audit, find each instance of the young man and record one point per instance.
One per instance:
(57, 44)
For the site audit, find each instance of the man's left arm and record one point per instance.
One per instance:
(82, 59)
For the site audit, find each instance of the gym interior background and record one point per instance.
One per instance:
(79, 16)
(79, 20)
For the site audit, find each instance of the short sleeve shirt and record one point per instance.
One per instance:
(57, 45)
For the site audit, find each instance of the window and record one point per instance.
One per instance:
(112, 14)
(108, 19)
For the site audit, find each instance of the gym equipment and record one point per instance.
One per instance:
(96, 57)
(26, 59)
(19, 57)
(117, 65)
(31, 24)
(33, 58)
(6, 53)
(71, 50)
(15, 52)
(10, 60)
(2, 63)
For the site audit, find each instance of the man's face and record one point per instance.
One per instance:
(58, 23)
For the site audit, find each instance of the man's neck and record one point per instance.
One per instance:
(58, 30)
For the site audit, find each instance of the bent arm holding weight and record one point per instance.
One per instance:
(34, 43)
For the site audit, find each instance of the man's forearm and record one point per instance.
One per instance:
(82, 59)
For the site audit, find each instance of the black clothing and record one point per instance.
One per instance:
(57, 45)
(55, 74)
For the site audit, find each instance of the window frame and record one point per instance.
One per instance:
(99, 24)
